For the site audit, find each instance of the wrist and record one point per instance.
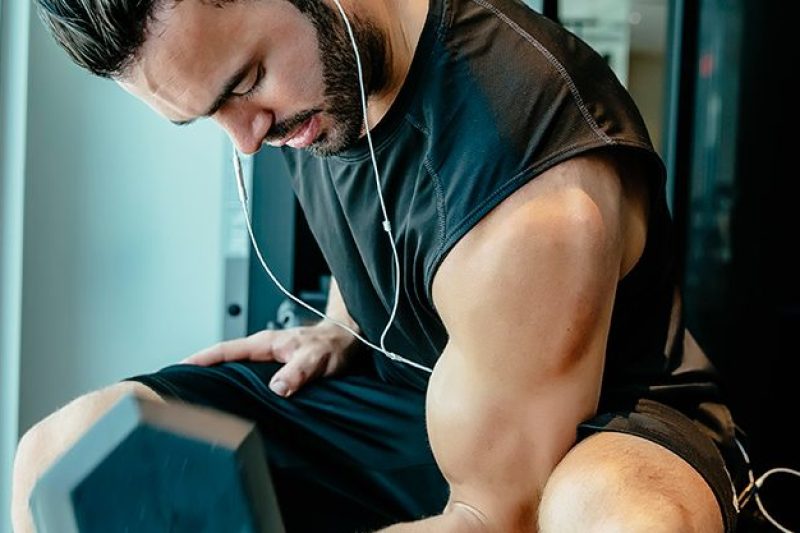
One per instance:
(347, 321)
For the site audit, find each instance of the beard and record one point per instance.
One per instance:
(342, 98)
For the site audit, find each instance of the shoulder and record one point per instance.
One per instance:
(592, 207)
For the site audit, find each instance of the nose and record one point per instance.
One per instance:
(246, 127)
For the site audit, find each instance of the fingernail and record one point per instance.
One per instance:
(280, 388)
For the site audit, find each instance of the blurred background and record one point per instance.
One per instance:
(122, 248)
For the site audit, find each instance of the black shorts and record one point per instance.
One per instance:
(351, 453)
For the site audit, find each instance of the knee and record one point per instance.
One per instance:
(29, 445)
(57, 432)
(597, 500)
(62, 428)
(38, 448)
(45, 441)
(41, 445)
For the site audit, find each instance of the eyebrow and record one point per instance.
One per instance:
(224, 96)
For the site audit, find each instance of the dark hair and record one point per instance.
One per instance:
(102, 36)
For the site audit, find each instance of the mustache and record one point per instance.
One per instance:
(282, 129)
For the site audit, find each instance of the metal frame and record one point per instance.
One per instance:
(14, 31)
(274, 211)
(679, 114)
(550, 9)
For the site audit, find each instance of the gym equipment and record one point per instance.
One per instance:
(151, 467)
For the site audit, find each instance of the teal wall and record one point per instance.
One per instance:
(121, 254)
(122, 244)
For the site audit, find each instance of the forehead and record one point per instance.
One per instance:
(193, 46)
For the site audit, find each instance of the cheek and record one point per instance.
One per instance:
(297, 70)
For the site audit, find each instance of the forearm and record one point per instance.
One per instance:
(457, 520)
(337, 309)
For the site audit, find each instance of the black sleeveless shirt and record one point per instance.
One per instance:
(496, 94)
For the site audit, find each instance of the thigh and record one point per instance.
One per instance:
(653, 453)
(346, 454)
(614, 482)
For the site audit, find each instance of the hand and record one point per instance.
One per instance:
(308, 353)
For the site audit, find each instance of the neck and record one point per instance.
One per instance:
(401, 21)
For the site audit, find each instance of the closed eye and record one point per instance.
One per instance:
(254, 87)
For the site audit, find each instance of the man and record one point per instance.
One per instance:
(538, 280)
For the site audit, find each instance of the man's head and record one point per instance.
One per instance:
(265, 70)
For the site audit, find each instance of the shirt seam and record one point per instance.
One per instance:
(441, 212)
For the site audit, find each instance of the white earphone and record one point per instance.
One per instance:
(387, 227)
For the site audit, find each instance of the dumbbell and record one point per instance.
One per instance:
(151, 467)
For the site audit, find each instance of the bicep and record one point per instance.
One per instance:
(495, 446)
(527, 299)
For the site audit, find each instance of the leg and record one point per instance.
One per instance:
(347, 454)
(616, 482)
(48, 439)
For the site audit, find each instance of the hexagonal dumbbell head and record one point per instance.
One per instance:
(151, 467)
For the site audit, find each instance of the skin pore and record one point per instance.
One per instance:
(269, 70)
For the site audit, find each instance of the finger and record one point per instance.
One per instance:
(303, 367)
(255, 347)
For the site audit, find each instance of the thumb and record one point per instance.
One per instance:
(298, 371)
